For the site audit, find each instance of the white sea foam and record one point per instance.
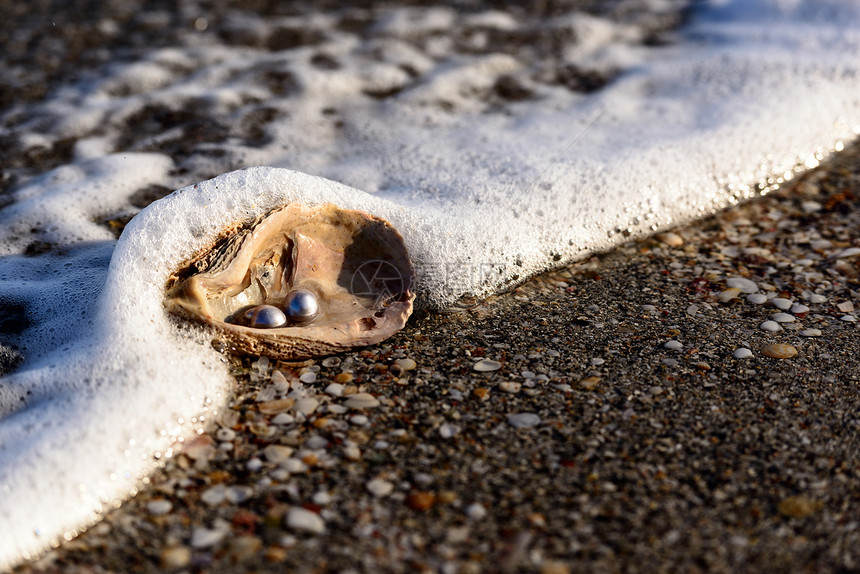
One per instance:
(753, 92)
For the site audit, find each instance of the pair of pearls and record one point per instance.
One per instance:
(301, 307)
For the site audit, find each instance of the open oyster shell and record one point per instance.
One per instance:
(354, 265)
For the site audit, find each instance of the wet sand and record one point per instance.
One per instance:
(619, 432)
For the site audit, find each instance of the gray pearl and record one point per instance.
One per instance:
(264, 317)
(302, 306)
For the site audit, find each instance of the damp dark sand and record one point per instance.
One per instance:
(593, 448)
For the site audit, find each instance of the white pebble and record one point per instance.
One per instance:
(849, 318)
(308, 377)
(205, 537)
(322, 498)
(303, 520)
(757, 298)
(649, 308)
(358, 420)
(742, 353)
(784, 318)
(362, 401)
(799, 309)
(159, 507)
(223, 434)
(476, 511)
(781, 303)
(771, 326)
(524, 420)
(238, 494)
(448, 430)
(334, 389)
(817, 299)
(597, 361)
(283, 419)
(406, 364)
(294, 465)
(692, 310)
(850, 252)
(214, 495)
(277, 453)
(743, 284)
(673, 345)
(811, 333)
(254, 464)
(380, 487)
(307, 406)
(486, 365)
(510, 387)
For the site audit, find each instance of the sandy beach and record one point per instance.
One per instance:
(614, 429)
(687, 402)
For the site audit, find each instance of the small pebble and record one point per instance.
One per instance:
(323, 498)
(742, 353)
(343, 378)
(448, 430)
(524, 420)
(308, 377)
(671, 239)
(849, 318)
(817, 299)
(779, 351)
(159, 507)
(175, 557)
(757, 298)
(589, 383)
(771, 326)
(307, 406)
(811, 333)
(302, 520)
(728, 294)
(203, 537)
(781, 303)
(277, 453)
(673, 345)
(380, 487)
(476, 511)
(510, 387)
(362, 401)
(743, 284)
(486, 365)
(405, 364)
(334, 389)
(692, 310)
(330, 362)
(784, 318)
(845, 306)
(597, 361)
(799, 309)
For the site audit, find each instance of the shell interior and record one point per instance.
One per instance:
(355, 264)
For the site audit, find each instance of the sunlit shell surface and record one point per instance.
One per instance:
(299, 282)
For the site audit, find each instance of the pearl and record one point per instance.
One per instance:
(264, 317)
(302, 306)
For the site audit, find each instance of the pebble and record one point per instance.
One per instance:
(486, 365)
(671, 239)
(845, 306)
(811, 333)
(510, 387)
(302, 520)
(225, 434)
(276, 406)
(597, 361)
(203, 537)
(334, 390)
(359, 420)
(728, 294)
(308, 377)
(294, 466)
(692, 310)
(742, 353)
(784, 318)
(277, 453)
(781, 303)
(159, 507)
(771, 326)
(673, 345)
(524, 420)
(214, 495)
(744, 285)
(343, 378)
(307, 405)
(323, 498)
(476, 511)
(779, 351)
(817, 299)
(406, 364)
(757, 298)
(362, 401)
(174, 557)
(589, 383)
(330, 362)
(283, 419)
(849, 318)
(380, 487)
(799, 309)
(849, 252)
(448, 430)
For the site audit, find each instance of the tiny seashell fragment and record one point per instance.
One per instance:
(486, 365)
(728, 294)
(743, 284)
(779, 351)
